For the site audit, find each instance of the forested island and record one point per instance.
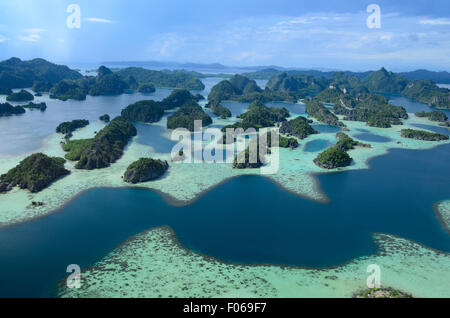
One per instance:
(145, 169)
(20, 96)
(259, 115)
(6, 109)
(434, 115)
(333, 157)
(422, 135)
(146, 111)
(41, 106)
(68, 127)
(102, 150)
(218, 109)
(299, 127)
(347, 143)
(186, 115)
(34, 173)
(317, 110)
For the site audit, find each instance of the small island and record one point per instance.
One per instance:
(434, 115)
(186, 115)
(146, 88)
(386, 292)
(41, 106)
(6, 109)
(34, 173)
(318, 111)
(107, 145)
(145, 169)
(299, 127)
(242, 160)
(332, 158)
(347, 143)
(422, 135)
(21, 96)
(146, 111)
(68, 127)
(218, 109)
(105, 118)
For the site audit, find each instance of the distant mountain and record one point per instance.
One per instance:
(437, 77)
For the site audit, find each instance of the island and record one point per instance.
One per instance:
(218, 109)
(145, 169)
(21, 96)
(259, 116)
(42, 87)
(6, 109)
(333, 157)
(146, 111)
(434, 115)
(347, 143)
(385, 292)
(107, 145)
(299, 127)
(34, 173)
(422, 135)
(177, 98)
(242, 160)
(41, 106)
(68, 127)
(105, 118)
(146, 88)
(317, 110)
(186, 115)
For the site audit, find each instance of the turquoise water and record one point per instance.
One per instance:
(247, 220)
(317, 145)
(371, 137)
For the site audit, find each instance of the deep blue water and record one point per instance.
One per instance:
(440, 130)
(246, 220)
(372, 137)
(326, 128)
(317, 145)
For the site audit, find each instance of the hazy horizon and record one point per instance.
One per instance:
(291, 34)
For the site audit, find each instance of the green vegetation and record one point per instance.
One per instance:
(34, 173)
(384, 81)
(218, 109)
(428, 92)
(146, 88)
(333, 157)
(240, 88)
(75, 148)
(145, 169)
(186, 115)
(298, 127)
(243, 160)
(259, 115)
(382, 293)
(68, 127)
(422, 135)
(41, 106)
(147, 111)
(318, 111)
(434, 115)
(347, 143)
(65, 90)
(21, 96)
(295, 85)
(41, 86)
(283, 142)
(15, 73)
(177, 98)
(107, 145)
(105, 118)
(6, 109)
(172, 79)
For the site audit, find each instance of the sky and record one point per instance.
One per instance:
(320, 34)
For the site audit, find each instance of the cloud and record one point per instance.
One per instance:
(2, 38)
(435, 21)
(34, 35)
(98, 20)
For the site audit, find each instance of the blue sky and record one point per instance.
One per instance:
(326, 34)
